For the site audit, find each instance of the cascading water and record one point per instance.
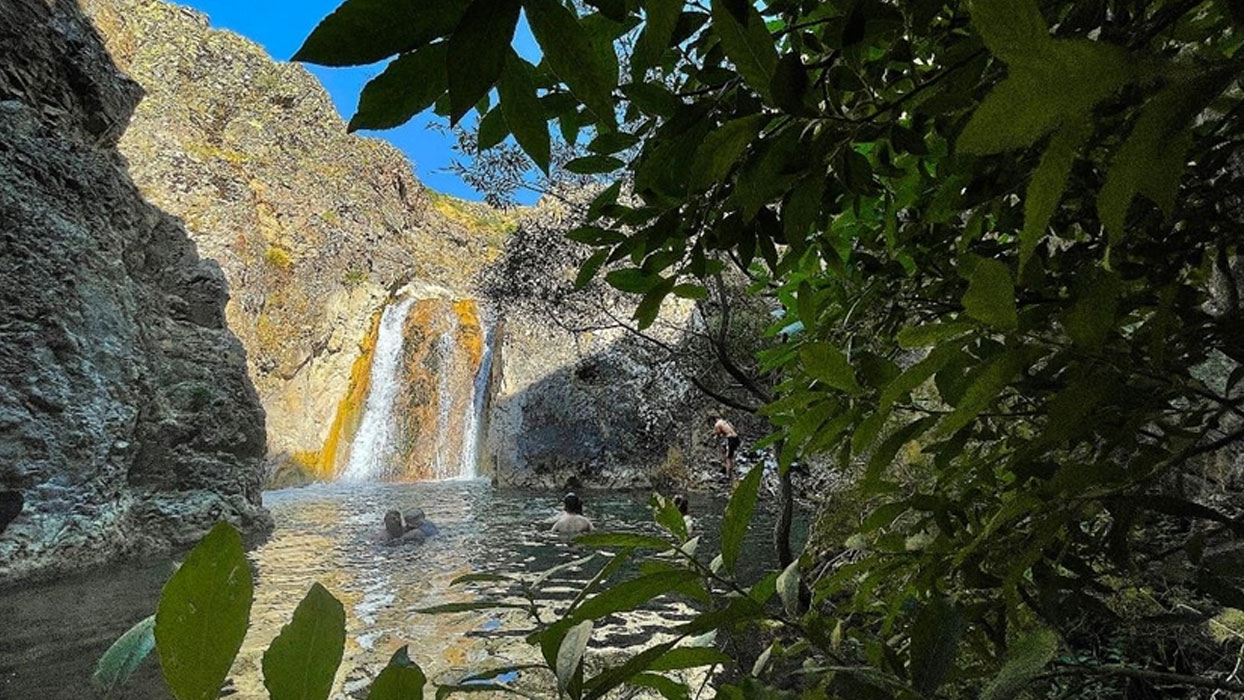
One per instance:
(373, 446)
(428, 394)
(445, 465)
(479, 401)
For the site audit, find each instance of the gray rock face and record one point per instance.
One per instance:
(127, 421)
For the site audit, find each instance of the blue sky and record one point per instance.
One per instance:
(280, 27)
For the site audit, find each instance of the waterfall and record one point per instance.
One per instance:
(479, 401)
(445, 464)
(373, 446)
(424, 413)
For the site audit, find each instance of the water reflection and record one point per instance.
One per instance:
(330, 533)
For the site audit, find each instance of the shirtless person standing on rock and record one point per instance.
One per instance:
(729, 440)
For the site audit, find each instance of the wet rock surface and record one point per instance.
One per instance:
(127, 421)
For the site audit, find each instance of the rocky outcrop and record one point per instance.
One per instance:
(580, 395)
(127, 420)
(313, 227)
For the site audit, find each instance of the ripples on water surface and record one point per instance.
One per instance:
(329, 533)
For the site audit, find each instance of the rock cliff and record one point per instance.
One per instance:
(313, 227)
(127, 421)
(580, 395)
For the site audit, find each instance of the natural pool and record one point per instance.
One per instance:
(53, 633)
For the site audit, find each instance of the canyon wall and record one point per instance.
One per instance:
(314, 228)
(127, 421)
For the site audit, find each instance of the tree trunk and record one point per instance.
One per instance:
(786, 512)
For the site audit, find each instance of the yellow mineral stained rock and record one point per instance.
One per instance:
(312, 226)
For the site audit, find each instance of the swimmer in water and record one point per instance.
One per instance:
(571, 521)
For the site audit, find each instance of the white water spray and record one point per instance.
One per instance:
(479, 401)
(373, 446)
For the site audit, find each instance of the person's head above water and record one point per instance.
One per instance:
(572, 504)
(393, 524)
(681, 502)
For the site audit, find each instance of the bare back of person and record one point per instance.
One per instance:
(572, 521)
(572, 524)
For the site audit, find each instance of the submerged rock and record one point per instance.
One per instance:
(127, 421)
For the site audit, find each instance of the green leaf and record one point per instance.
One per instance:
(1012, 29)
(1091, 319)
(401, 679)
(722, 148)
(827, 364)
(985, 388)
(934, 640)
(1059, 85)
(788, 588)
(591, 165)
(690, 291)
(991, 295)
(749, 46)
(1048, 182)
(612, 142)
(738, 610)
(492, 129)
(883, 516)
(1152, 159)
(632, 279)
(613, 9)
(790, 84)
(1026, 659)
(599, 685)
(669, 517)
(607, 197)
(622, 539)
(481, 577)
(202, 615)
(366, 31)
(652, 98)
(661, 16)
(595, 235)
(680, 658)
(570, 653)
(667, 687)
(632, 594)
(301, 662)
(590, 267)
(467, 607)
(800, 213)
(738, 516)
(885, 453)
(524, 113)
(931, 333)
(407, 86)
(477, 52)
(571, 55)
(121, 659)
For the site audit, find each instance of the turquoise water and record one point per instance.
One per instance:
(329, 533)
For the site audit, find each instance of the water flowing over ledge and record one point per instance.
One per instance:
(428, 393)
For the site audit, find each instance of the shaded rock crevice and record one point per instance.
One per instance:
(127, 421)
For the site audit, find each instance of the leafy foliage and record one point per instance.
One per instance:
(123, 657)
(302, 660)
(202, 615)
(999, 242)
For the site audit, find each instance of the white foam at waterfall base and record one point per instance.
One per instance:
(373, 445)
(475, 407)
